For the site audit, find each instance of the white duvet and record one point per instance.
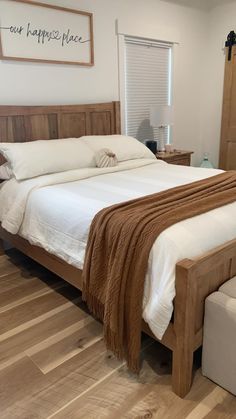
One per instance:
(55, 212)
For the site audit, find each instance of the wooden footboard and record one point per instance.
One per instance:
(195, 280)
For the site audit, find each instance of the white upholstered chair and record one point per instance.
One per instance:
(219, 342)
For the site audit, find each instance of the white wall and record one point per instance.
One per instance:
(221, 22)
(30, 83)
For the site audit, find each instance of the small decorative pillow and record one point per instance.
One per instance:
(105, 158)
(5, 172)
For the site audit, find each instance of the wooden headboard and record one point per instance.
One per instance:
(29, 123)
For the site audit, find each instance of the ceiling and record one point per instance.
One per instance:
(201, 4)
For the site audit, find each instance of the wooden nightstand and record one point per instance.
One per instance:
(177, 157)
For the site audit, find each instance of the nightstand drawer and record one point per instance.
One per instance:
(181, 162)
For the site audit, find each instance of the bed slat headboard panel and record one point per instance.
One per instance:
(29, 123)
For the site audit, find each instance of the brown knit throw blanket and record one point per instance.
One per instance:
(120, 239)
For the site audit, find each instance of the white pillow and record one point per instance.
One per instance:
(5, 172)
(36, 158)
(124, 147)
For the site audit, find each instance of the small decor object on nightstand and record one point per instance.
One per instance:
(206, 162)
(152, 145)
(169, 148)
(161, 117)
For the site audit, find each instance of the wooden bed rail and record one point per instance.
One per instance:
(56, 265)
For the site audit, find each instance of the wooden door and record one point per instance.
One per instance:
(228, 128)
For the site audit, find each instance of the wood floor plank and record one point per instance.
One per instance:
(32, 309)
(63, 384)
(7, 268)
(35, 321)
(67, 382)
(208, 403)
(17, 279)
(224, 409)
(41, 403)
(109, 391)
(64, 345)
(180, 408)
(13, 280)
(21, 295)
(54, 322)
(15, 261)
(121, 395)
(17, 380)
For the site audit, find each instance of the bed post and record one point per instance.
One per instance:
(184, 327)
(117, 118)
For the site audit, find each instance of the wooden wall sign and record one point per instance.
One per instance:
(33, 31)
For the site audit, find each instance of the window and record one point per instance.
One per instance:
(147, 81)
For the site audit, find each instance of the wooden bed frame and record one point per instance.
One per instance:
(195, 279)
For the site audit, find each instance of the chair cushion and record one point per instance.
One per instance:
(229, 288)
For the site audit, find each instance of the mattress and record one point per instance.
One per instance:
(57, 216)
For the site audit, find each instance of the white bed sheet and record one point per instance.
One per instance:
(58, 218)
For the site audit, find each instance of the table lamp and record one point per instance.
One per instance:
(161, 117)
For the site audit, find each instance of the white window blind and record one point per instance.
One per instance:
(147, 82)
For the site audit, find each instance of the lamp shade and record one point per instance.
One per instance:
(160, 115)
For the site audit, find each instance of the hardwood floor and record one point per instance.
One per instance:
(53, 363)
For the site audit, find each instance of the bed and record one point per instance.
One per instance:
(195, 278)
